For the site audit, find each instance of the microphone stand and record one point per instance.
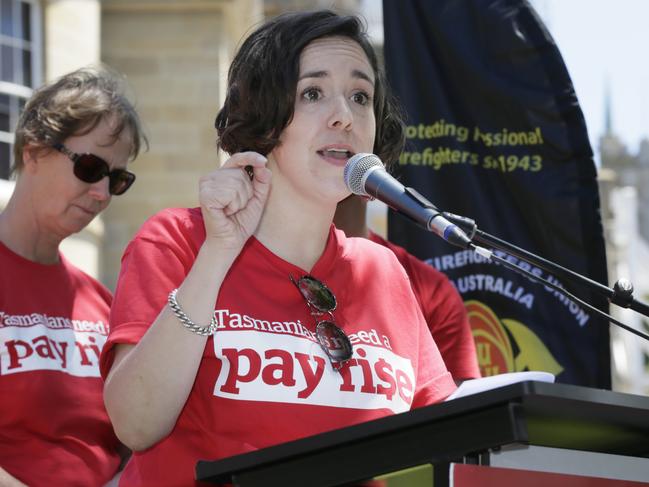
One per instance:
(621, 294)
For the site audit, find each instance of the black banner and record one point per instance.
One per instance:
(495, 133)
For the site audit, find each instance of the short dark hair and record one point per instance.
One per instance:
(262, 81)
(73, 105)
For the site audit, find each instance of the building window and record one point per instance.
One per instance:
(20, 67)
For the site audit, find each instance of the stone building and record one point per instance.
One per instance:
(624, 177)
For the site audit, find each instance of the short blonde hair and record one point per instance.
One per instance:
(73, 105)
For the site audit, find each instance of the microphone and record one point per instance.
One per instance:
(365, 175)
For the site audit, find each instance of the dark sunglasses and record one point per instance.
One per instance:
(321, 301)
(90, 168)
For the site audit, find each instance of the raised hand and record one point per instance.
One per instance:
(231, 202)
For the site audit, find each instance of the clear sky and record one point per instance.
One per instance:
(604, 44)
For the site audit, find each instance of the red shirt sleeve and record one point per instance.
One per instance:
(155, 262)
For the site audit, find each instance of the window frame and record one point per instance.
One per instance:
(17, 91)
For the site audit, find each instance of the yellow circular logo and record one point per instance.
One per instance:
(495, 348)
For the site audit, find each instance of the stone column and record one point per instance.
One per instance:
(175, 54)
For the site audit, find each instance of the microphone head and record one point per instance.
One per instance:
(358, 167)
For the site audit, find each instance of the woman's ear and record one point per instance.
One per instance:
(31, 155)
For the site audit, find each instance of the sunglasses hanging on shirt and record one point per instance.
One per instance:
(321, 301)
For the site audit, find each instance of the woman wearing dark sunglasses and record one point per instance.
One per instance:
(73, 142)
(251, 320)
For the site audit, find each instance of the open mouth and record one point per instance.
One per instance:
(341, 154)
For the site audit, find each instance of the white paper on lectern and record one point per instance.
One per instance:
(474, 386)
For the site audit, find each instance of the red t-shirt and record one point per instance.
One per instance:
(443, 310)
(263, 378)
(54, 429)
